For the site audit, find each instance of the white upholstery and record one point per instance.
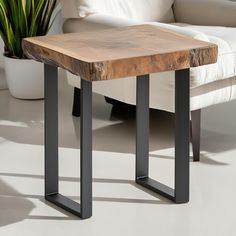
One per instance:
(210, 84)
(96, 22)
(206, 12)
(144, 10)
(69, 9)
(162, 91)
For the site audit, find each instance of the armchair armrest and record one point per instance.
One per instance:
(206, 12)
(97, 21)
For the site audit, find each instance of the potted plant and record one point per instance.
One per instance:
(20, 19)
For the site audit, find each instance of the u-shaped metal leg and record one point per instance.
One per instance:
(182, 123)
(84, 209)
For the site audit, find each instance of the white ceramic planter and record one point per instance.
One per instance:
(24, 78)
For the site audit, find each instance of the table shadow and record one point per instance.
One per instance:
(13, 208)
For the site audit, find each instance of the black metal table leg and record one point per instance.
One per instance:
(84, 209)
(182, 135)
(182, 122)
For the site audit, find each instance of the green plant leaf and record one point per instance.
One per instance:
(24, 18)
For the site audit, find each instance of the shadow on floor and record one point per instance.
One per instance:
(13, 208)
(160, 200)
(117, 134)
(205, 159)
(16, 207)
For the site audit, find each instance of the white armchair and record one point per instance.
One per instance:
(209, 20)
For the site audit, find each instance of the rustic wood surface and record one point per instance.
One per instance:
(121, 52)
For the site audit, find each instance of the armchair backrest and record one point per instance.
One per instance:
(143, 10)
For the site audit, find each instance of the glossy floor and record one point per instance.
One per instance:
(120, 207)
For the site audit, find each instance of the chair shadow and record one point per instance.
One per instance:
(117, 135)
(121, 137)
(114, 137)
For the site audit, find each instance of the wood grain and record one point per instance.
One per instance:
(121, 52)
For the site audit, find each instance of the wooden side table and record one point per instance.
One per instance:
(115, 54)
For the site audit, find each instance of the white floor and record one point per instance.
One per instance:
(120, 207)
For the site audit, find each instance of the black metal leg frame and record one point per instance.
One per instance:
(181, 192)
(84, 210)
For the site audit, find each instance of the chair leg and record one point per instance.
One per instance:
(196, 133)
(76, 103)
(115, 103)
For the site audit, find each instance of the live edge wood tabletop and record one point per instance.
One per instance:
(121, 52)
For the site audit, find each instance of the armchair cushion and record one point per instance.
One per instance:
(145, 10)
(206, 12)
